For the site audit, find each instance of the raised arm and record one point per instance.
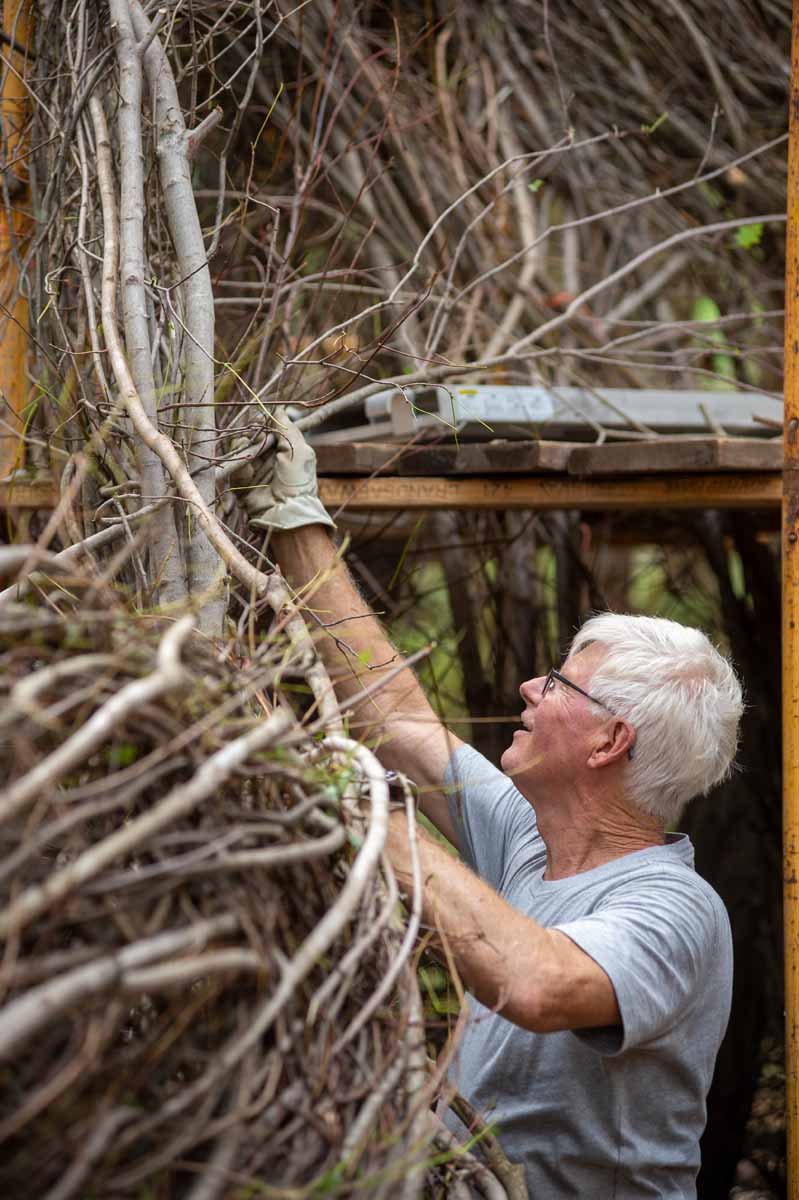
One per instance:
(397, 719)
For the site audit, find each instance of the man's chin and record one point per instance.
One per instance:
(518, 760)
(513, 755)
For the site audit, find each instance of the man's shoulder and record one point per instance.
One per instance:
(665, 877)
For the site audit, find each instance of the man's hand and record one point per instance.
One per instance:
(287, 497)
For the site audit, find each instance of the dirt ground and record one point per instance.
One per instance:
(761, 1173)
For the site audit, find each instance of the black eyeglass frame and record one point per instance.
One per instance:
(555, 676)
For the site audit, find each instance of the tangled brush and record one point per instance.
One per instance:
(207, 986)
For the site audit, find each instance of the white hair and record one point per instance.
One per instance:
(681, 696)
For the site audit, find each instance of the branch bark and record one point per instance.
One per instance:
(181, 800)
(76, 749)
(173, 147)
(255, 580)
(23, 1017)
(164, 549)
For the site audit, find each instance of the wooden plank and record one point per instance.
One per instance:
(755, 490)
(35, 493)
(677, 454)
(469, 458)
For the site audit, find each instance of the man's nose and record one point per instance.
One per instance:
(530, 690)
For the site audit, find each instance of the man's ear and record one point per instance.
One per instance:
(615, 743)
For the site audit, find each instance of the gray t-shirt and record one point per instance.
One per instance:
(601, 1114)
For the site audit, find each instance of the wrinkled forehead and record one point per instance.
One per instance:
(582, 662)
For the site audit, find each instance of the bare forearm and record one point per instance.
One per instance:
(536, 977)
(353, 644)
(497, 951)
(359, 656)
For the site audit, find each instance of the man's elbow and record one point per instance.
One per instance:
(530, 1008)
(559, 1003)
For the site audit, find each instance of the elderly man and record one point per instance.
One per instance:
(598, 962)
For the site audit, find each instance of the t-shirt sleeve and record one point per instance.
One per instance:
(495, 825)
(655, 938)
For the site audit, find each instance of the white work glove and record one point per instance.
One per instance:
(284, 495)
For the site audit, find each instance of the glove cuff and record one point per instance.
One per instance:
(293, 513)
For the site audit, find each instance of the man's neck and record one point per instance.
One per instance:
(584, 835)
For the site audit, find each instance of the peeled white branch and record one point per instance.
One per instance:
(186, 970)
(173, 147)
(161, 445)
(194, 137)
(321, 937)
(357, 952)
(266, 858)
(155, 25)
(166, 565)
(271, 587)
(387, 982)
(364, 1124)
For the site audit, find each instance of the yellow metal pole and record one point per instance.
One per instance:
(790, 631)
(15, 226)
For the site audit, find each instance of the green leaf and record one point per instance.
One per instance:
(535, 185)
(122, 755)
(658, 121)
(749, 235)
(705, 309)
(435, 979)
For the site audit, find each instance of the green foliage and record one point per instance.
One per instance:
(122, 755)
(430, 620)
(706, 309)
(749, 235)
(658, 121)
(660, 588)
(440, 995)
(737, 576)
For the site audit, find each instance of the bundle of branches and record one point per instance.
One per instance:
(427, 197)
(385, 195)
(207, 989)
